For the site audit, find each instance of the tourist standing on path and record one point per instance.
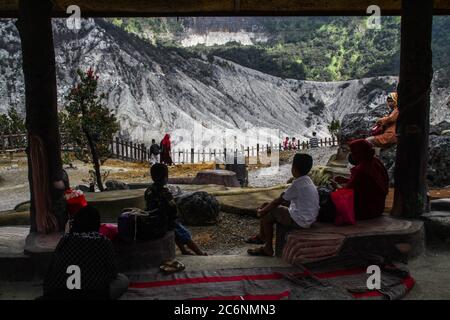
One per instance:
(294, 144)
(314, 141)
(286, 144)
(165, 147)
(388, 124)
(154, 152)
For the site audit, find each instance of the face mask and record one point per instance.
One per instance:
(351, 160)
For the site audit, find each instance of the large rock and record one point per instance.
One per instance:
(112, 185)
(438, 173)
(358, 125)
(220, 177)
(198, 209)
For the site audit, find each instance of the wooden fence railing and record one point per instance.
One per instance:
(138, 152)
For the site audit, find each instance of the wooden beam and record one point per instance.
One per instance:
(413, 123)
(44, 152)
(148, 8)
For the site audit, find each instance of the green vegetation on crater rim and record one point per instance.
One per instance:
(310, 48)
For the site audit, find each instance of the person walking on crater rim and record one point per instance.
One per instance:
(388, 124)
(314, 141)
(286, 144)
(165, 148)
(154, 152)
(294, 144)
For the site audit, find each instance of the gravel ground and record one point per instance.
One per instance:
(227, 237)
(266, 177)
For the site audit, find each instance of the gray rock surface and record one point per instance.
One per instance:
(155, 89)
(198, 209)
(116, 185)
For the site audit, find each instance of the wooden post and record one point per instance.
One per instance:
(44, 143)
(122, 150)
(117, 148)
(192, 155)
(257, 153)
(413, 123)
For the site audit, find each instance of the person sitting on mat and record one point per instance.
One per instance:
(159, 196)
(303, 201)
(86, 250)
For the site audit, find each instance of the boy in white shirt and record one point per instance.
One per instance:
(297, 207)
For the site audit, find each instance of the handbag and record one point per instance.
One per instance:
(343, 200)
(327, 211)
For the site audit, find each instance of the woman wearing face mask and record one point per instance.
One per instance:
(369, 180)
(388, 123)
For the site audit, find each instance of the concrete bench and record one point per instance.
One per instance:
(395, 239)
(25, 256)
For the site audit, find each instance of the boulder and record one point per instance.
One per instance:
(440, 128)
(220, 177)
(198, 209)
(358, 125)
(438, 173)
(112, 185)
(83, 188)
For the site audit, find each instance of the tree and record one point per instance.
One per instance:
(85, 113)
(12, 122)
(334, 127)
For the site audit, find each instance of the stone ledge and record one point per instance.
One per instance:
(395, 239)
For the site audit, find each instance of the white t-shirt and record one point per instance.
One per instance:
(304, 198)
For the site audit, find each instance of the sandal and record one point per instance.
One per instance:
(172, 267)
(255, 240)
(259, 252)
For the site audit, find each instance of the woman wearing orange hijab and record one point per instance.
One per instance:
(166, 148)
(388, 137)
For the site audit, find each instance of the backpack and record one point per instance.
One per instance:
(327, 211)
(155, 149)
(136, 225)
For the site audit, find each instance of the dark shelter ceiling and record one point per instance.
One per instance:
(125, 8)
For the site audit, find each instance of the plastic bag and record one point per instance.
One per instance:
(109, 230)
(75, 200)
(343, 200)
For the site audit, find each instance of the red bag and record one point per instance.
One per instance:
(109, 230)
(343, 200)
(75, 200)
(376, 131)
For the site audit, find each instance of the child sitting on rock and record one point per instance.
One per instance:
(159, 196)
(297, 207)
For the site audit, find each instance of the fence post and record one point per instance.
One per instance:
(125, 145)
(192, 155)
(321, 142)
(117, 148)
(257, 153)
